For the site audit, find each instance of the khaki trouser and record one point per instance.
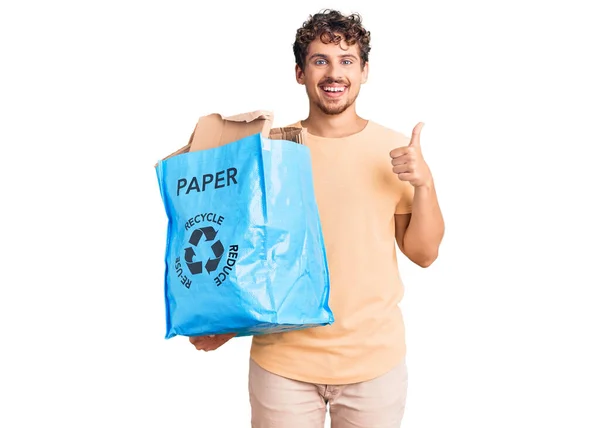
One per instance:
(278, 402)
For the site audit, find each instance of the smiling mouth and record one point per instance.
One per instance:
(333, 91)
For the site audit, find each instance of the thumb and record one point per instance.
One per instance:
(415, 139)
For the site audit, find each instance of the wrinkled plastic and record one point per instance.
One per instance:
(245, 251)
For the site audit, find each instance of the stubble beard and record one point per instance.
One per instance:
(334, 108)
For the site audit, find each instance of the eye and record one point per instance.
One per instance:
(320, 62)
(347, 62)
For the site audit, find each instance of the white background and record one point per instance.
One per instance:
(502, 331)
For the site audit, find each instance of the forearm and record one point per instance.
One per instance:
(425, 230)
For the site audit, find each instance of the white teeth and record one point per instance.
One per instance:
(334, 89)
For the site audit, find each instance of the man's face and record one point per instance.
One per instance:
(332, 75)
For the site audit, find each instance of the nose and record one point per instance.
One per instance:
(334, 71)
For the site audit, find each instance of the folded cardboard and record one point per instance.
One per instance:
(215, 130)
(297, 135)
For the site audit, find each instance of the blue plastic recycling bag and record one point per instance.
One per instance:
(245, 250)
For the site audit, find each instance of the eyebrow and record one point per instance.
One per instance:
(320, 55)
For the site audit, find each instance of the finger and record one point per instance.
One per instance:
(405, 158)
(400, 160)
(406, 176)
(212, 346)
(227, 336)
(404, 168)
(415, 139)
(399, 151)
(201, 344)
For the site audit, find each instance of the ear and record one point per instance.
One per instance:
(365, 73)
(299, 75)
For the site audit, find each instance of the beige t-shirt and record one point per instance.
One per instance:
(357, 196)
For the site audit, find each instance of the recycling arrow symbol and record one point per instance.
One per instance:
(212, 263)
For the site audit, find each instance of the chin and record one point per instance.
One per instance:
(333, 108)
(334, 111)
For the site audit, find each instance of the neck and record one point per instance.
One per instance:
(333, 126)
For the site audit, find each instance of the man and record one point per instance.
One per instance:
(374, 190)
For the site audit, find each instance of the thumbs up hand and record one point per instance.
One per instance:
(408, 162)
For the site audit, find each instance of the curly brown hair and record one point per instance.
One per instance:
(332, 27)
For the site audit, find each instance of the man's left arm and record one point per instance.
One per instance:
(419, 234)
